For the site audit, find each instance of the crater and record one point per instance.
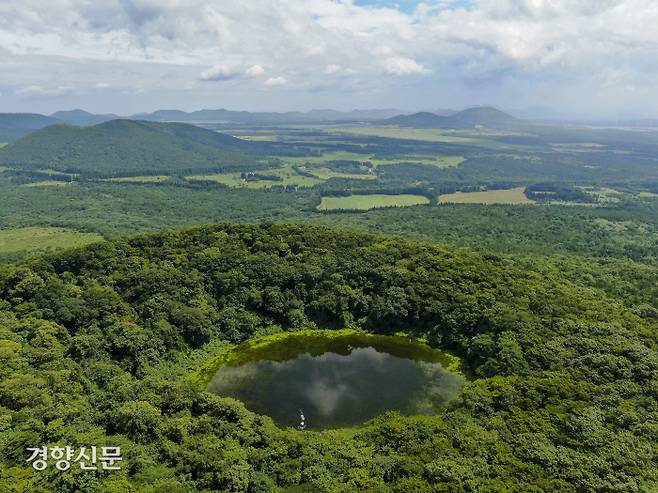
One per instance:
(334, 379)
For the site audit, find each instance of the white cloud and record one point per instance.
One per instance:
(102, 85)
(229, 71)
(403, 66)
(276, 81)
(168, 45)
(221, 72)
(254, 71)
(38, 92)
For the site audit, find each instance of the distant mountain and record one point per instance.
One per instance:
(82, 118)
(484, 117)
(264, 118)
(126, 147)
(423, 119)
(16, 125)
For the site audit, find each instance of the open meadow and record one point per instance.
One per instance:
(31, 240)
(372, 201)
(510, 196)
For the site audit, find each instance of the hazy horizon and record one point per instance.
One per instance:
(581, 59)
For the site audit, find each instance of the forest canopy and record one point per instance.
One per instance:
(97, 345)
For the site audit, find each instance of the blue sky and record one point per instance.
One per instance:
(410, 5)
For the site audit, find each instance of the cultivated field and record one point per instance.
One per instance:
(34, 240)
(510, 196)
(438, 161)
(427, 134)
(287, 174)
(328, 156)
(325, 174)
(48, 183)
(365, 202)
(140, 179)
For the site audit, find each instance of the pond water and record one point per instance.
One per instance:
(337, 381)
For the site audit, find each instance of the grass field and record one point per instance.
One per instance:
(310, 162)
(366, 202)
(328, 156)
(426, 134)
(140, 179)
(288, 177)
(53, 172)
(325, 174)
(265, 137)
(34, 240)
(49, 183)
(438, 161)
(510, 196)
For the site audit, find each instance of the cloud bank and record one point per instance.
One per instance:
(574, 55)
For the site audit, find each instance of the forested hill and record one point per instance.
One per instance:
(121, 147)
(486, 117)
(96, 345)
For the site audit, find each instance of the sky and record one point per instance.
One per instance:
(550, 58)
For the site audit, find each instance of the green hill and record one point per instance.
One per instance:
(125, 147)
(16, 125)
(423, 119)
(471, 118)
(98, 345)
(81, 117)
(483, 116)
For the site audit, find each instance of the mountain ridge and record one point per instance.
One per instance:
(479, 116)
(82, 118)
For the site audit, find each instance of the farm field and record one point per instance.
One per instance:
(48, 183)
(373, 201)
(438, 161)
(510, 196)
(287, 174)
(426, 134)
(54, 172)
(326, 174)
(32, 240)
(140, 179)
(328, 156)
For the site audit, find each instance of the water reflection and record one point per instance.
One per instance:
(337, 390)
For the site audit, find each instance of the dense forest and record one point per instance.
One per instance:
(97, 345)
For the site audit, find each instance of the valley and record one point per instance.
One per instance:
(130, 176)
